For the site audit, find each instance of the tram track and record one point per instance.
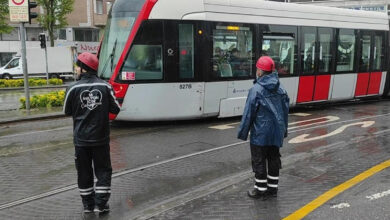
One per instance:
(156, 164)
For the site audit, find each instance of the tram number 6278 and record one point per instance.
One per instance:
(185, 86)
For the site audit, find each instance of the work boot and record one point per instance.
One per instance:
(88, 209)
(256, 194)
(270, 193)
(102, 209)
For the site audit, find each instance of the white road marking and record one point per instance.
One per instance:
(383, 131)
(301, 114)
(224, 127)
(303, 138)
(326, 120)
(378, 195)
(341, 205)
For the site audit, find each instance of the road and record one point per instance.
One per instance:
(199, 170)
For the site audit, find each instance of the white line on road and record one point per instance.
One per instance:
(341, 205)
(339, 122)
(378, 195)
(230, 125)
(301, 114)
(303, 138)
(328, 119)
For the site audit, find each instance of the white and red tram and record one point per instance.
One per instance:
(183, 59)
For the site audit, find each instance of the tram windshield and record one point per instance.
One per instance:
(116, 34)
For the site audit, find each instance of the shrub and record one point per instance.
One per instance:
(6, 83)
(51, 99)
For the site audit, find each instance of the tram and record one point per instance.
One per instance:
(186, 59)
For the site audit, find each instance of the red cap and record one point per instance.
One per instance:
(265, 63)
(89, 59)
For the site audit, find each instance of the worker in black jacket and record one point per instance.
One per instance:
(89, 102)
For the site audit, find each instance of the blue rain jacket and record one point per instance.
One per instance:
(265, 113)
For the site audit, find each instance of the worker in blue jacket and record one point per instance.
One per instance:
(266, 117)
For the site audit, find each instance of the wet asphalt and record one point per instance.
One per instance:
(156, 169)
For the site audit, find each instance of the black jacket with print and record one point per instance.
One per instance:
(89, 102)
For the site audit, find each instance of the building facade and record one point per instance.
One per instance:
(84, 30)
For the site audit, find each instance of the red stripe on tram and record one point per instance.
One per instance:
(375, 83)
(362, 84)
(321, 89)
(305, 89)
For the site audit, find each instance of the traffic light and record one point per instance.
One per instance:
(31, 15)
(42, 39)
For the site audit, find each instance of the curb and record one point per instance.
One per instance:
(35, 87)
(33, 118)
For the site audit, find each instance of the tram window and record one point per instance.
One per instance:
(378, 52)
(345, 50)
(364, 63)
(232, 51)
(186, 48)
(144, 61)
(281, 47)
(325, 59)
(308, 48)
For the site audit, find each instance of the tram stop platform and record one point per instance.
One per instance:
(344, 176)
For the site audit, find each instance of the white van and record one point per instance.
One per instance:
(60, 64)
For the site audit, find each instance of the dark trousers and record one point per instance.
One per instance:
(266, 164)
(90, 160)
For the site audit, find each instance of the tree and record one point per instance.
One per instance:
(54, 16)
(4, 27)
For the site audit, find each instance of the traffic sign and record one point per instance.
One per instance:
(18, 10)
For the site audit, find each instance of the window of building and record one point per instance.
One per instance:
(379, 48)
(232, 51)
(99, 7)
(32, 34)
(308, 50)
(325, 59)
(186, 48)
(13, 36)
(62, 34)
(86, 35)
(108, 7)
(345, 50)
(144, 61)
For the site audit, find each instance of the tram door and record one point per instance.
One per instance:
(316, 63)
(371, 57)
(179, 46)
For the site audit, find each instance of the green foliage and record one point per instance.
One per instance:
(55, 81)
(52, 99)
(54, 16)
(4, 27)
(7, 83)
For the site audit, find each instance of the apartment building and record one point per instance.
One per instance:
(84, 30)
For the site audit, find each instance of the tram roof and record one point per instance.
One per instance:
(268, 12)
